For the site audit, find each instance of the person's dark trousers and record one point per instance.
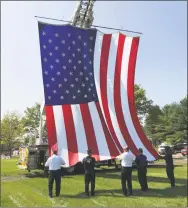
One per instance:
(54, 175)
(126, 180)
(170, 174)
(89, 177)
(142, 178)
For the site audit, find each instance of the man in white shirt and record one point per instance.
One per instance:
(54, 163)
(127, 159)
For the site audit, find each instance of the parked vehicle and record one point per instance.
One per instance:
(178, 147)
(161, 149)
(184, 151)
(34, 157)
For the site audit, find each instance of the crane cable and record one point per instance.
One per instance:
(111, 28)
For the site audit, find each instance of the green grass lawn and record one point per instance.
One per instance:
(33, 191)
(9, 168)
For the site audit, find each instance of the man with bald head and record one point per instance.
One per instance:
(127, 160)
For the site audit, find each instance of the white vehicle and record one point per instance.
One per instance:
(161, 148)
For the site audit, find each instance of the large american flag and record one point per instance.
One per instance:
(88, 79)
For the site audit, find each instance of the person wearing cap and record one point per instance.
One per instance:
(141, 162)
(127, 160)
(54, 163)
(169, 165)
(89, 168)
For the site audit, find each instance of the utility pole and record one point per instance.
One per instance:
(82, 17)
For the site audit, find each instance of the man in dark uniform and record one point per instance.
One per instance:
(89, 168)
(141, 162)
(169, 165)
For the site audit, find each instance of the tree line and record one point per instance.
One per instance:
(166, 124)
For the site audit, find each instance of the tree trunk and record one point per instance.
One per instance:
(10, 150)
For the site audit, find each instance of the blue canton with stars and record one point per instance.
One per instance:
(67, 54)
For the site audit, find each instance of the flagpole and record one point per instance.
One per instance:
(110, 28)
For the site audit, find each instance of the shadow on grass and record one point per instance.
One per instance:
(40, 174)
(34, 174)
(163, 166)
(179, 191)
(109, 175)
(134, 168)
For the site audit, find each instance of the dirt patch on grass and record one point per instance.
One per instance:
(178, 159)
(182, 161)
(12, 178)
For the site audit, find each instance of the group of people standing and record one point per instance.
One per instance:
(127, 160)
(54, 163)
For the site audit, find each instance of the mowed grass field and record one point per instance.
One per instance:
(22, 189)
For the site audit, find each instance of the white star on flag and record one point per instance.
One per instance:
(59, 85)
(56, 48)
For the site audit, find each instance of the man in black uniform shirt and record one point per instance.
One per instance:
(141, 162)
(169, 165)
(89, 168)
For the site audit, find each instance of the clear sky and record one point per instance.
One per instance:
(162, 56)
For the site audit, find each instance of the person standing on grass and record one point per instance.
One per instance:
(127, 160)
(169, 165)
(54, 163)
(141, 162)
(89, 168)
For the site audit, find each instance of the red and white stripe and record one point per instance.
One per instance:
(114, 68)
(75, 128)
(110, 124)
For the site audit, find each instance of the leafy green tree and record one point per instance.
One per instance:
(11, 131)
(171, 123)
(177, 122)
(31, 122)
(143, 104)
(151, 123)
